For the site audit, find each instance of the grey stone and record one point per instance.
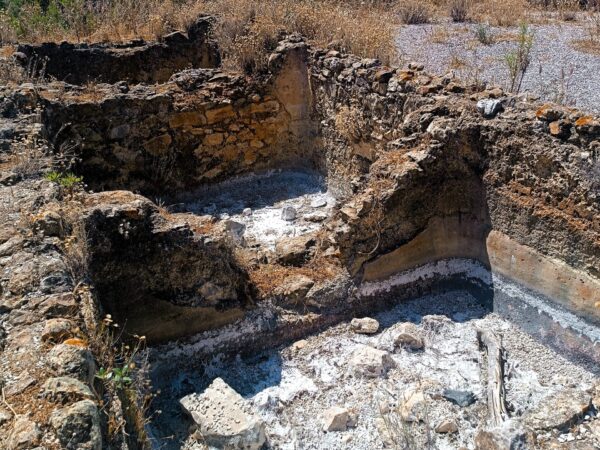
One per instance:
(70, 360)
(288, 213)
(460, 398)
(66, 388)
(489, 108)
(78, 426)
(235, 230)
(224, 418)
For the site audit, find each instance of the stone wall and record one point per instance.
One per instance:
(132, 62)
(516, 189)
(201, 127)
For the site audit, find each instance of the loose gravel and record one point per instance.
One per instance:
(558, 72)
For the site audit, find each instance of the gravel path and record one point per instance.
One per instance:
(558, 71)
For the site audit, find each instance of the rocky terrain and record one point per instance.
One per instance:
(332, 254)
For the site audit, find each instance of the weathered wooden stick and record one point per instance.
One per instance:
(496, 395)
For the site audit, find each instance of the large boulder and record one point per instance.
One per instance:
(224, 418)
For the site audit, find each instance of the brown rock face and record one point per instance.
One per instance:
(155, 275)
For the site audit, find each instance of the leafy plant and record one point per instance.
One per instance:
(519, 59)
(68, 180)
(117, 375)
(483, 33)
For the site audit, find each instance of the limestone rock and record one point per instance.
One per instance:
(489, 108)
(225, 418)
(365, 325)
(65, 388)
(559, 411)
(294, 251)
(446, 427)
(294, 289)
(412, 405)
(408, 335)
(57, 329)
(371, 362)
(25, 434)
(288, 213)
(78, 426)
(337, 419)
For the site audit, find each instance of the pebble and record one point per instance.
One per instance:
(288, 213)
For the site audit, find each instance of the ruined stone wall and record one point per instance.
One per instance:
(132, 62)
(200, 127)
(516, 189)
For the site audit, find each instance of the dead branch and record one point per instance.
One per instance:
(496, 395)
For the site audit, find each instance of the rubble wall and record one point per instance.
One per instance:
(131, 62)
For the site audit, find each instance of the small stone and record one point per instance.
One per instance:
(371, 362)
(366, 325)
(224, 418)
(318, 203)
(335, 419)
(408, 335)
(489, 108)
(247, 212)
(235, 230)
(57, 330)
(316, 217)
(446, 427)
(25, 434)
(412, 405)
(5, 416)
(288, 213)
(460, 398)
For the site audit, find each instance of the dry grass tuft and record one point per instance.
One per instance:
(246, 29)
(414, 12)
(459, 10)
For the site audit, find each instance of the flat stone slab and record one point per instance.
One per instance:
(224, 418)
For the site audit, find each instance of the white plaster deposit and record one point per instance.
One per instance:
(291, 388)
(270, 206)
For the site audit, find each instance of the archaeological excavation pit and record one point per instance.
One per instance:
(240, 224)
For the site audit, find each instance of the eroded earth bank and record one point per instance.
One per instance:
(333, 254)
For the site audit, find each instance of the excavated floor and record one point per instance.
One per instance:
(257, 202)
(291, 387)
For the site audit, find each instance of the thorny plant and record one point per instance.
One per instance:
(519, 59)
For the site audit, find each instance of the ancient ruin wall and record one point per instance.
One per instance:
(516, 191)
(132, 62)
(201, 127)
